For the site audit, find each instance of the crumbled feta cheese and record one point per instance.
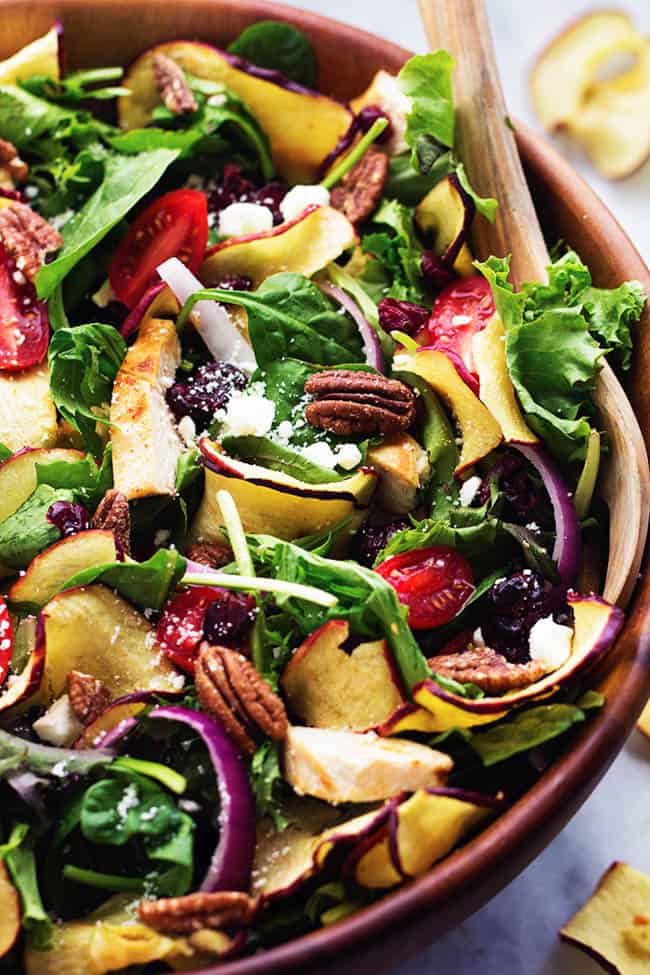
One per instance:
(104, 295)
(550, 643)
(468, 491)
(218, 99)
(300, 197)
(248, 415)
(348, 456)
(187, 430)
(477, 637)
(60, 219)
(128, 801)
(59, 725)
(31, 192)
(240, 219)
(320, 453)
(284, 431)
(161, 536)
(401, 361)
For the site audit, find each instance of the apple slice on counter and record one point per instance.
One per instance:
(303, 126)
(275, 503)
(596, 626)
(27, 411)
(479, 430)
(445, 214)
(50, 570)
(10, 915)
(613, 927)
(302, 246)
(42, 56)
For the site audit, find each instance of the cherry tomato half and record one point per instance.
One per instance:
(461, 310)
(6, 640)
(174, 225)
(435, 583)
(24, 329)
(180, 627)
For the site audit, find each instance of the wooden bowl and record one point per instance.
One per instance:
(100, 32)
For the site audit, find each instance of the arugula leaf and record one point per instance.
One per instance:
(408, 185)
(426, 80)
(27, 531)
(83, 363)
(275, 456)
(267, 781)
(278, 46)
(535, 554)
(146, 584)
(486, 205)
(525, 730)
(126, 180)
(18, 754)
(24, 118)
(398, 250)
(36, 923)
(84, 477)
(77, 86)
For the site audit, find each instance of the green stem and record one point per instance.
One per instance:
(168, 777)
(105, 881)
(353, 157)
(260, 584)
(587, 482)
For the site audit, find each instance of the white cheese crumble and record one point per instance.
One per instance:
(60, 219)
(241, 219)
(104, 295)
(477, 638)
(550, 643)
(187, 430)
(468, 491)
(300, 197)
(248, 414)
(284, 431)
(346, 456)
(59, 725)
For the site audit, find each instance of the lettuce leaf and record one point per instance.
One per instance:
(398, 251)
(426, 80)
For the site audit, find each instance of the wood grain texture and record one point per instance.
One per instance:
(487, 146)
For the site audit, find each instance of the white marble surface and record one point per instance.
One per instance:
(517, 932)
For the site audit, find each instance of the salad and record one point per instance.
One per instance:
(299, 538)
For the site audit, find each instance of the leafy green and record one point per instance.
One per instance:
(36, 923)
(397, 250)
(88, 480)
(525, 730)
(267, 781)
(485, 205)
(126, 180)
(146, 584)
(5, 453)
(27, 531)
(18, 753)
(278, 46)
(83, 363)
(426, 80)
(368, 307)
(408, 185)
(277, 457)
(26, 119)
(77, 86)
(610, 314)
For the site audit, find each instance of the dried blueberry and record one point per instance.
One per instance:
(229, 620)
(524, 499)
(402, 316)
(371, 539)
(207, 389)
(514, 605)
(235, 188)
(435, 271)
(68, 517)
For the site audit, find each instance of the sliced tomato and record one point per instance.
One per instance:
(24, 329)
(461, 310)
(6, 640)
(180, 628)
(434, 583)
(174, 225)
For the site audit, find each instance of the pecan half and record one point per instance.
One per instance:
(231, 690)
(27, 237)
(195, 912)
(349, 402)
(13, 169)
(487, 669)
(210, 553)
(173, 87)
(113, 515)
(88, 695)
(360, 190)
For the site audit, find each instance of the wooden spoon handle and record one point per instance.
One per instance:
(493, 164)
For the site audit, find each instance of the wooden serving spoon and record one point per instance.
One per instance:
(486, 144)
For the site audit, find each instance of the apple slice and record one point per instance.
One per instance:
(479, 430)
(614, 925)
(119, 648)
(496, 389)
(384, 92)
(10, 915)
(446, 214)
(41, 56)
(18, 474)
(50, 570)
(275, 503)
(146, 445)
(303, 126)
(596, 626)
(402, 465)
(20, 688)
(302, 246)
(27, 411)
(120, 713)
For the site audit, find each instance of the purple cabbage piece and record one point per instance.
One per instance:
(402, 316)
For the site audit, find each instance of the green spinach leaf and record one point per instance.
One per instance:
(88, 480)
(146, 584)
(278, 46)
(27, 531)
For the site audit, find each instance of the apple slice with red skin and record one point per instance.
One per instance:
(446, 215)
(24, 331)
(10, 914)
(303, 126)
(25, 685)
(303, 245)
(18, 474)
(115, 720)
(50, 570)
(273, 502)
(27, 411)
(596, 626)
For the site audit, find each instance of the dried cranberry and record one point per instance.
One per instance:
(436, 272)
(371, 539)
(207, 389)
(525, 500)
(68, 517)
(402, 316)
(513, 607)
(235, 188)
(229, 619)
(367, 118)
(271, 195)
(235, 282)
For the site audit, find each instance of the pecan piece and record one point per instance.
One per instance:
(360, 190)
(173, 87)
(13, 169)
(113, 515)
(27, 237)
(210, 553)
(195, 912)
(351, 403)
(88, 695)
(232, 691)
(487, 669)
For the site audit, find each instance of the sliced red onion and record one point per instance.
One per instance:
(137, 313)
(232, 860)
(211, 320)
(566, 552)
(371, 344)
